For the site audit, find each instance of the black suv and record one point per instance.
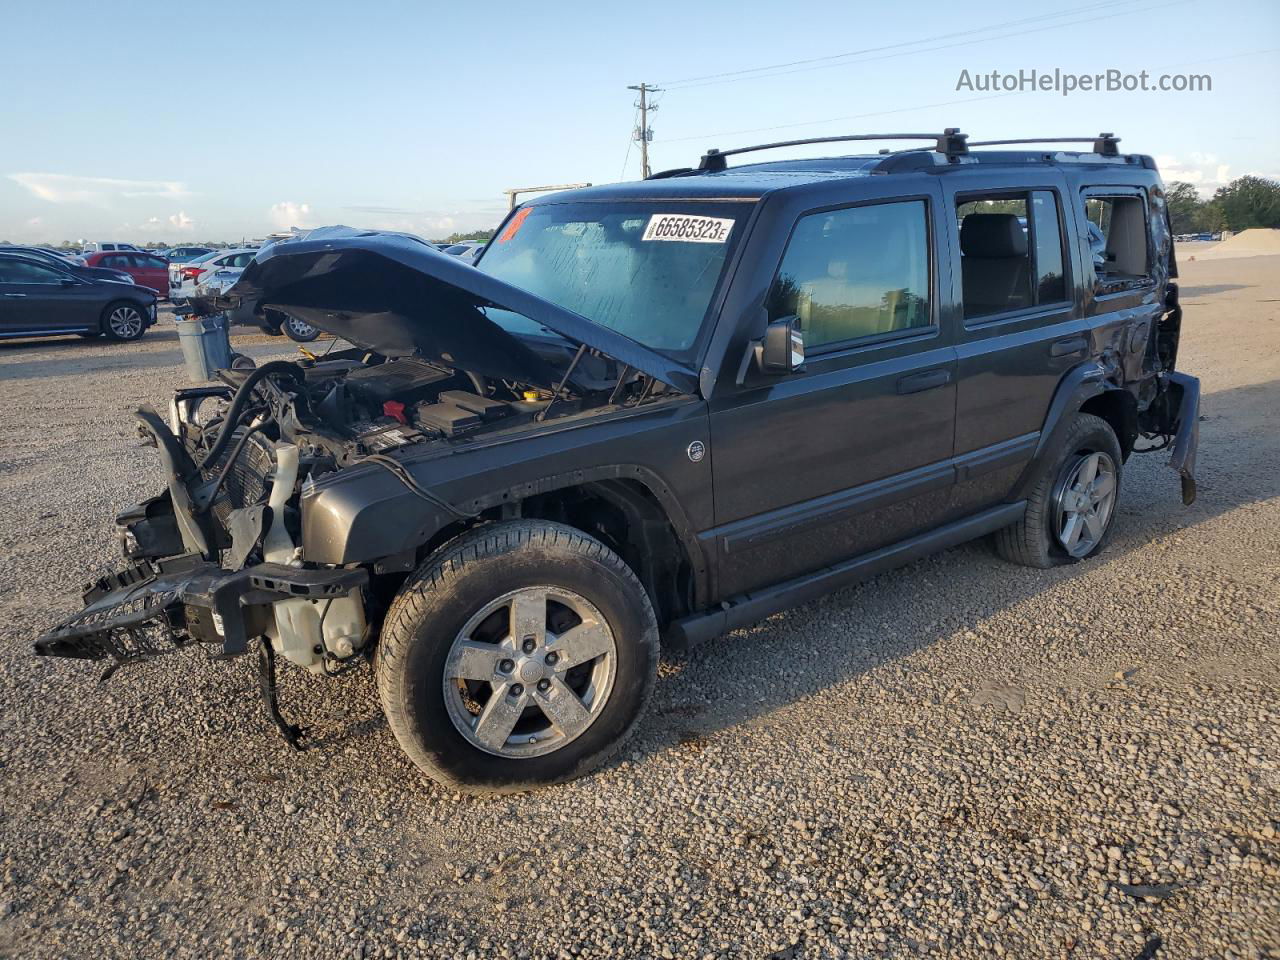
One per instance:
(657, 409)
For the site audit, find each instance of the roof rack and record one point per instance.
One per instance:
(1104, 143)
(950, 142)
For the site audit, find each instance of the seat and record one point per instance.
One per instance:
(995, 268)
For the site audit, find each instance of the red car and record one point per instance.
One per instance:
(146, 269)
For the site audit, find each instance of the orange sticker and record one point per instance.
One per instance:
(514, 226)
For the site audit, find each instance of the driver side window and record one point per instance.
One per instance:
(856, 273)
(20, 271)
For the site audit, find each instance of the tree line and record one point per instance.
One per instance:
(1244, 203)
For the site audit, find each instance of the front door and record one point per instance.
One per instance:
(851, 453)
(39, 299)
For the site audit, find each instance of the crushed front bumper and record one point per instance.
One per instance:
(157, 606)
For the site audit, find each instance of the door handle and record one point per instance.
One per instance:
(929, 380)
(15, 296)
(1069, 347)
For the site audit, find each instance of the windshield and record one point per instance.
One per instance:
(647, 269)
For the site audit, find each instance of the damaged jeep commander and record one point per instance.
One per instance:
(652, 412)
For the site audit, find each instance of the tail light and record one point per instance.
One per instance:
(192, 273)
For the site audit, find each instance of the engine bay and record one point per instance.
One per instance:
(346, 407)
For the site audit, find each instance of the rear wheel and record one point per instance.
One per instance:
(299, 331)
(520, 654)
(123, 321)
(1072, 506)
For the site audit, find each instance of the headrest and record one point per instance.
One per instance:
(992, 235)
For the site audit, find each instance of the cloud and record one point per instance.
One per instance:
(181, 221)
(100, 191)
(35, 222)
(1202, 170)
(286, 214)
(378, 208)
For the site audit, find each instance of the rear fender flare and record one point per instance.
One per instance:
(1080, 384)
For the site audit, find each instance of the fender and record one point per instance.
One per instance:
(1080, 384)
(647, 478)
(417, 522)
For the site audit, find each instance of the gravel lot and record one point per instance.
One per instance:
(961, 759)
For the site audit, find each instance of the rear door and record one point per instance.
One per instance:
(118, 261)
(1021, 330)
(151, 271)
(851, 453)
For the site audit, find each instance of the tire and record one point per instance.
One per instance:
(123, 321)
(440, 720)
(299, 331)
(1037, 540)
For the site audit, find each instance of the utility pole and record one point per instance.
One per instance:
(642, 133)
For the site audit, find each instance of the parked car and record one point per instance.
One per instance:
(506, 493)
(147, 269)
(39, 299)
(185, 254)
(95, 246)
(70, 256)
(83, 272)
(183, 277)
(466, 251)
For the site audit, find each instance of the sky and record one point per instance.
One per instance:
(139, 121)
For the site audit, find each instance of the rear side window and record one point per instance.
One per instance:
(1011, 253)
(856, 273)
(1118, 242)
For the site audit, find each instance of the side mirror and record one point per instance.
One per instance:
(66, 282)
(782, 350)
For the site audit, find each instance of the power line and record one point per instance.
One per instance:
(822, 63)
(848, 116)
(631, 138)
(939, 103)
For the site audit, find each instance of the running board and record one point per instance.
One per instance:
(749, 608)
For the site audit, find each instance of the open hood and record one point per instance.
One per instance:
(398, 296)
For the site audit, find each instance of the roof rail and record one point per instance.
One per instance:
(1104, 143)
(950, 142)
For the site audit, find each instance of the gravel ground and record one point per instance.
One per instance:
(962, 759)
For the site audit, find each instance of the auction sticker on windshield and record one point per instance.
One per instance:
(687, 229)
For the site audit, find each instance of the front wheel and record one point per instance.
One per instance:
(123, 321)
(1071, 508)
(520, 654)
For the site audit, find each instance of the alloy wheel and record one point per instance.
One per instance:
(1084, 503)
(301, 329)
(125, 322)
(529, 672)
